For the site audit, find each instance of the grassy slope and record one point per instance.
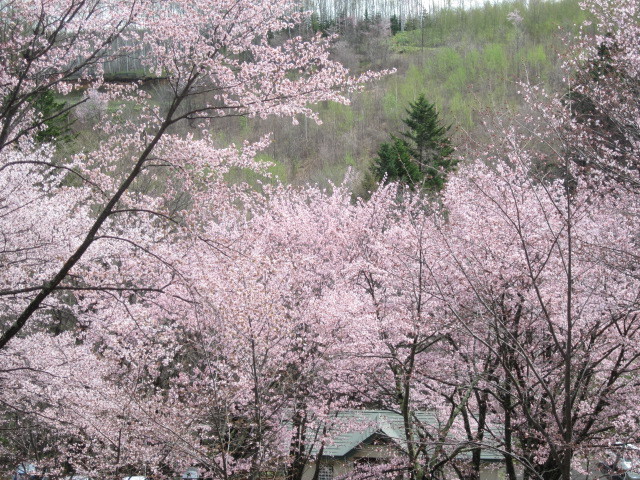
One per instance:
(468, 62)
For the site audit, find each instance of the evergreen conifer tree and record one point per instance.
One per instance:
(57, 125)
(429, 145)
(394, 163)
(423, 157)
(395, 24)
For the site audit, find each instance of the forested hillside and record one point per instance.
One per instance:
(469, 62)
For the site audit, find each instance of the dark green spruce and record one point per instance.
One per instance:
(423, 158)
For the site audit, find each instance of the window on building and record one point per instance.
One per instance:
(326, 472)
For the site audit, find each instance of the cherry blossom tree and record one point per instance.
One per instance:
(216, 51)
(602, 77)
(399, 333)
(541, 238)
(545, 241)
(242, 383)
(536, 259)
(543, 233)
(96, 243)
(47, 45)
(272, 323)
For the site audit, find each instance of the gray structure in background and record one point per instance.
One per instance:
(376, 436)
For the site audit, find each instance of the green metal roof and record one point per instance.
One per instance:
(353, 428)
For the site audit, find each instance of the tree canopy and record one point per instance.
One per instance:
(157, 317)
(424, 157)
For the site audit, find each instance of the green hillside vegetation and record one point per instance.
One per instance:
(469, 60)
(469, 63)
(491, 24)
